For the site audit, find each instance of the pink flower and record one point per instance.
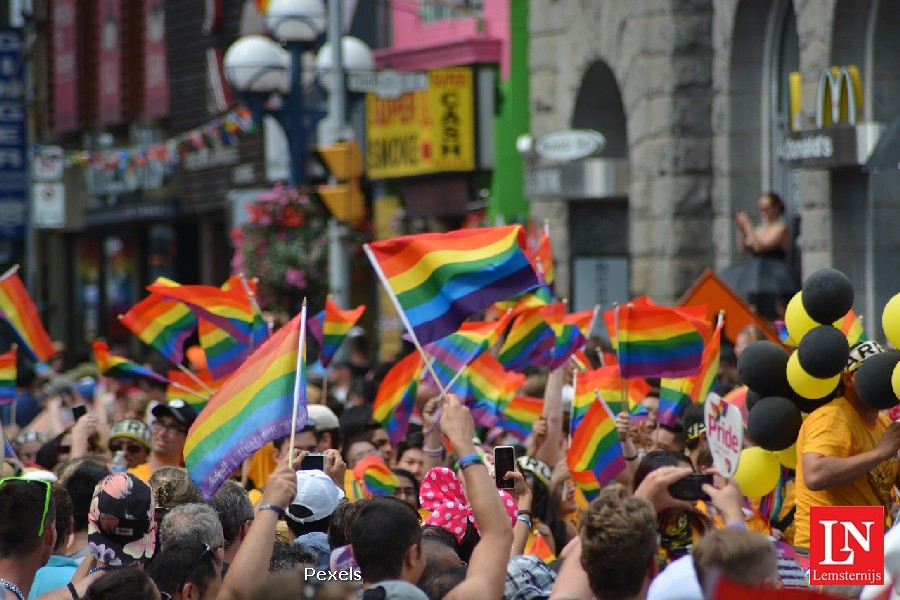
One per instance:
(295, 277)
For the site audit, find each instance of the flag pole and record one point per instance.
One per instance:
(187, 389)
(193, 376)
(9, 272)
(412, 334)
(256, 308)
(299, 380)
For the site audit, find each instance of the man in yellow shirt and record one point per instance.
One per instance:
(847, 452)
(168, 434)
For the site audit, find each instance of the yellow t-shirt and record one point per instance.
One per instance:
(837, 430)
(142, 472)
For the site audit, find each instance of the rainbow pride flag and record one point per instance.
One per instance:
(458, 349)
(674, 398)
(852, 327)
(519, 415)
(254, 406)
(396, 396)
(541, 257)
(118, 367)
(656, 341)
(595, 445)
(539, 296)
(609, 319)
(532, 338)
(438, 280)
(161, 324)
(704, 382)
(586, 481)
(224, 354)
(331, 326)
(20, 312)
(231, 309)
(607, 382)
(183, 387)
(376, 475)
(488, 387)
(540, 549)
(8, 377)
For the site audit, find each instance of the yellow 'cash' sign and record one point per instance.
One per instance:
(429, 131)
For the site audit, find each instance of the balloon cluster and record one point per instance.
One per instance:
(783, 386)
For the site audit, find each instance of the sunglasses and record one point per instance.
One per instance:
(46, 485)
(129, 448)
(206, 551)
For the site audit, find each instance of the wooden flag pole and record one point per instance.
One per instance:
(193, 376)
(187, 389)
(299, 380)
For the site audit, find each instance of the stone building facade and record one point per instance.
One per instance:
(695, 95)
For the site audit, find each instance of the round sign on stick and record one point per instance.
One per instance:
(827, 295)
(724, 434)
(797, 321)
(761, 366)
(874, 380)
(805, 384)
(823, 351)
(774, 423)
(890, 320)
(758, 472)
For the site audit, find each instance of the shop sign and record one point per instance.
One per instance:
(588, 178)
(13, 181)
(388, 84)
(49, 205)
(421, 132)
(570, 145)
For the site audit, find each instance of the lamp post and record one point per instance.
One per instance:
(269, 76)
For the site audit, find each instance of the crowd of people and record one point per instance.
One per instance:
(101, 507)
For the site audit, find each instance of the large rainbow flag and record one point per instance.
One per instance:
(454, 352)
(704, 382)
(231, 309)
(20, 312)
(438, 280)
(224, 354)
(162, 324)
(396, 396)
(532, 338)
(8, 377)
(118, 367)
(595, 446)
(331, 326)
(657, 341)
(251, 408)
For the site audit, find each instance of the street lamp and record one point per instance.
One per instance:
(261, 70)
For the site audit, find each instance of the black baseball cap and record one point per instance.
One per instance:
(178, 409)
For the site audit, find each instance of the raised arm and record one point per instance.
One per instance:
(486, 575)
(549, 451)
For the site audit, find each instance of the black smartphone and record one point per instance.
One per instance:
(690, 487)
(79, 411)
(504, 462)
(313, 462)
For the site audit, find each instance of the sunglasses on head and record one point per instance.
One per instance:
(46, 485)
(206, 551)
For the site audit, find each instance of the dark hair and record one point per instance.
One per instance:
(122, 584)
(777, 202)
(404, 473)
(668, 458)
(544, 507)
(693, 414)
(63, 519)
(80, 483)
(287, 555)
(365, 437)
(280, 442)
(438, 534)
(365, 389)
(381, 534)
(341, 519)
(413, 441)
(233, 505)
(48, 455)
(22, 506)
(299, 529)
(170, 566)
(441, 584)
(469, 540)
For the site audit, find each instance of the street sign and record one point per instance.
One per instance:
(387, 84)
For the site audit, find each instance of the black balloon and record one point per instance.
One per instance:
(807, 405)
(774, 423)
(873, 380)
(762, 366)
(752, 398)
(827, 296)
(823, 351)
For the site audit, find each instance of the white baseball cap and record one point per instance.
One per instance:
(323, 416)
(317, 493)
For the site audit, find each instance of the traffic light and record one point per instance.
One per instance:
(344, 198)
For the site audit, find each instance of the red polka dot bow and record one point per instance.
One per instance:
(442, 494)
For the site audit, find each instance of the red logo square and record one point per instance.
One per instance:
(846, 545)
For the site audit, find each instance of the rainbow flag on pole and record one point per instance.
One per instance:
(532, 338)
(657, 341)
(852, 327)
(231, 309)
(519, 415)
(224, 354)
(489, 387)
(459, 349)
(396, 396)
(607, 382)
(183, 387)
(331, 326)
(8, 376)
(438, 280)
(118, 367)
(595, 445)
(162, 324)
(674, 398)
(704, 382)
(251, 408)
(542, 257)
(20, 312)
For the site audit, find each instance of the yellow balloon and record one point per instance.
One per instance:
(895, 380)
(758, 471)
(797, 321)
(890, 320)
(805, 384)
(788, 456)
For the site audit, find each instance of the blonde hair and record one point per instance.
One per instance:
(744, 557)
(172, 486)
